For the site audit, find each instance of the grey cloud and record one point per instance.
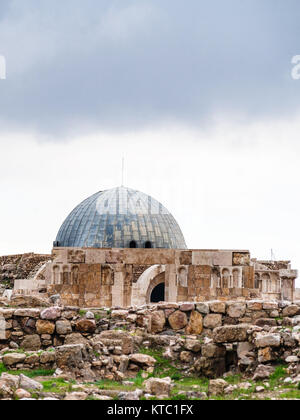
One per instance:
(116, 64)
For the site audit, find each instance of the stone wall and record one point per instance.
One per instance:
(207, 338)
(21, 266)
(45, 324)
(126, 277)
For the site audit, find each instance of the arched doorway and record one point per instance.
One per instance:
(156, 289)
(158, 293)
(142, 289)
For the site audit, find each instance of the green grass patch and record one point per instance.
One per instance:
(280, 373)
(18, 351)
(57, 386)
(177, 397)
(164, 367)
(92, 398)
(234, 379)
(139, 380)
(293, 394)
(29, 373)
(189, 384)
(278, 376)
(2, 368)
(35, 373)
(113, 386)
(98, 317)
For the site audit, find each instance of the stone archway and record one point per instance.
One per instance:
(142, 289)
(158, 293)
(153, 286)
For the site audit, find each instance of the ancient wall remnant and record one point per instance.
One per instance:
(206, 338)
(126, 277)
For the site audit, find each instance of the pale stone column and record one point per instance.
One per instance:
(171, 275)
(135, 295)
(241, 279)
(118, 290)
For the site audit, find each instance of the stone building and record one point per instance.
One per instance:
(123, 248)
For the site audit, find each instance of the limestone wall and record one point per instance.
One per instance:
(52, 326)
(21, 266)
(208, 338)
(123, 277)
(126, 277)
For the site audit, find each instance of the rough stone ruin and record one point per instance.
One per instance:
(230, 349)
(125, 277)
(123, 310)
(121, 248)
(16, 268)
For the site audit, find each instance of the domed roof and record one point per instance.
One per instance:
(120, 218)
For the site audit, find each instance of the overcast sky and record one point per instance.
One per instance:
(198, 95)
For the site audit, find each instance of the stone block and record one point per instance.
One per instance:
(231, 334)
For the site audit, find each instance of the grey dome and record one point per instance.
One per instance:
(120, 218)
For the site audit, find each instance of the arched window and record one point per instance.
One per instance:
(133, 244)
(148, 245)
(267, 284)
(225, 278)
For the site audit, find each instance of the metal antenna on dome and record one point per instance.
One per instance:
(123, 166)
(273, 258)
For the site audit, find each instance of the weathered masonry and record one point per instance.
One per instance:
(123, 248)
(128, 277)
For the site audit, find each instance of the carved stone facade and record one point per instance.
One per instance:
(90, 277)
(275, 279)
